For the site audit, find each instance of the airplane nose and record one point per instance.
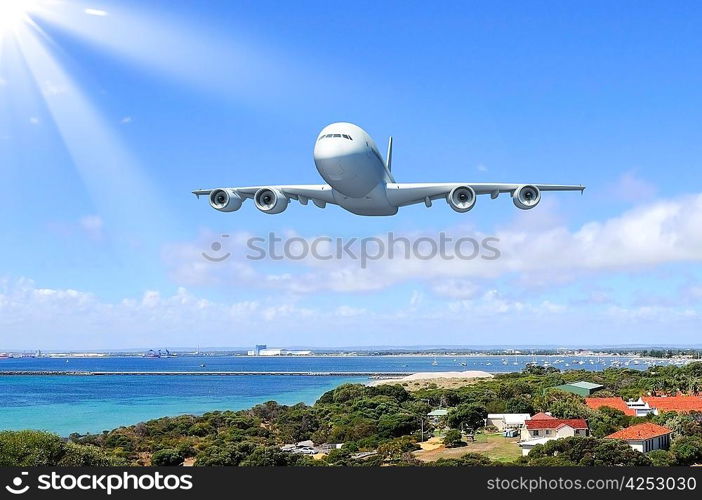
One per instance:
(345, 163)
(324, 150)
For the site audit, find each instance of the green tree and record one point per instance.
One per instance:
(395, 449)
(396, 425)
(588, 451)
(467, 460)
(682, 424)
(79, 455)
(519, 404)
(562, 404)
(29, 448)
(167, 457)
(661, 458)
(453, 439)
(468, 416)
(687, 450)
(224, 454)
(270, 456)
(606, 420)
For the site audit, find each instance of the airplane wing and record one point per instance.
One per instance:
(462, 196)
(320, 194)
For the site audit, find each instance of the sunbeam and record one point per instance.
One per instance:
(29, 60)
(159, 43)
(14, 13)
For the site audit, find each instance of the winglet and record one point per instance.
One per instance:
(388, 161)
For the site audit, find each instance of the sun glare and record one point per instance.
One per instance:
(14, 13)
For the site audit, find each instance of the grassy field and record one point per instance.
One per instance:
(494, 446)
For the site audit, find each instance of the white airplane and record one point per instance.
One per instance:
(360, 181)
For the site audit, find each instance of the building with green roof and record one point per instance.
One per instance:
(580, 388)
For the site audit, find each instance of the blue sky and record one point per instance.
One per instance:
(111, 112)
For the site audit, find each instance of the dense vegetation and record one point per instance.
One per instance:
(386, 421)
(35, 448)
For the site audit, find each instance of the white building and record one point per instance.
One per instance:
(542, 428)
(507, 420)
(277, 352)
(641, 408)
(271, 352)
(644, 437)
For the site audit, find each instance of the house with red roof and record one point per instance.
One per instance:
(681, 404)
(644, 437)
(542, 428)
(648, 404)
(615, 403)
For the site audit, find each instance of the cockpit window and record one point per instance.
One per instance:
(345, 136)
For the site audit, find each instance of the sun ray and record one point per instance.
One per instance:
(109, 172)
(161, 44)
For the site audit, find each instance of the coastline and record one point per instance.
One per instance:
(79, 402)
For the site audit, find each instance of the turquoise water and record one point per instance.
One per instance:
(93, 404)
(66, 404)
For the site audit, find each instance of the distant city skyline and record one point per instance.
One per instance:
(112, 113)
(520, 349)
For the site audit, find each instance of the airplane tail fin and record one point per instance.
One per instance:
(388, 161)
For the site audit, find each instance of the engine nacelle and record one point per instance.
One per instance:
(526, 197)
(225, 200)
(461, 198)
(270, 201)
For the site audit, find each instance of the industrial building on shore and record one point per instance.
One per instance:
(263, 350)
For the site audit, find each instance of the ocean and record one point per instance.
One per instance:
(79, 403)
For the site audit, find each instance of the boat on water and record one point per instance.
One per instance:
(159, 354)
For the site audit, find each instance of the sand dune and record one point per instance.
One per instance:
(426, 376)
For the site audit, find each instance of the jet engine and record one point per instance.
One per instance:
(270, 201)
(526, 197)
(225, 200)
(461, 198)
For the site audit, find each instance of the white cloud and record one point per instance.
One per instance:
(481, 168)
(455, 288)
(92, 225)
(96, 12)
(348, 311)
(34, 120)
(544, 252)
(126, 120)
(33, 317)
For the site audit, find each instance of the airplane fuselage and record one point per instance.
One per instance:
(348, 159)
